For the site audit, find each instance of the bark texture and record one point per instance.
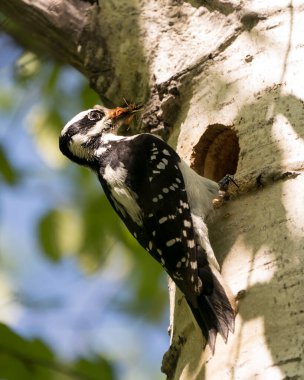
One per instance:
(224, 81)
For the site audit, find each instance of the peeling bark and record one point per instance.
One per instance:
(235, 66)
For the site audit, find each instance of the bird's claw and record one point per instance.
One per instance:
(224, 182)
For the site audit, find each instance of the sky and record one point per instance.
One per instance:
(58, 302)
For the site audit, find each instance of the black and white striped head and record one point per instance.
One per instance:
(88, 131)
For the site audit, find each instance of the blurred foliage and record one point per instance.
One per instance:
(54, 231)
(7, 172)
(33, 360)
(27, 66)
(82, 223)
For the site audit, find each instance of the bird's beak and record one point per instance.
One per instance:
(120, 116)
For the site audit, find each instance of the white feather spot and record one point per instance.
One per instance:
(77, 147)
(150, 245)
(187, 223)
(191, 243)
(101, 150)
(154, 200)
(184, 204)
(160, 196)
(178, 180)
(166, 152)
(165, 190)
(165, 161)
(153, 157)
(161, 166)
(170, 242)
(178, 264)
(162, 220)
(159, 252)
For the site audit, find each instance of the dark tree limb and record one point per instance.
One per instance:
(65, 30)
(54, 27)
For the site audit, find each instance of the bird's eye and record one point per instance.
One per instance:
(95, 115)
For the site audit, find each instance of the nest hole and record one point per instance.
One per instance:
(216, 154)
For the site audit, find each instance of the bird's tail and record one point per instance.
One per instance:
(215, 311)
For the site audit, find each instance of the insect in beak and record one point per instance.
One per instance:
(120, 116)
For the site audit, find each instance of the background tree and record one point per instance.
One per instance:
(222, 82)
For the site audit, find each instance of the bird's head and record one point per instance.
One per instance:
(91, 130)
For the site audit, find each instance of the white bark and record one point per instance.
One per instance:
(217, 70)
(256, 86)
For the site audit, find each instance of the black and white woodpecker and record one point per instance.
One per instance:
(163, 203)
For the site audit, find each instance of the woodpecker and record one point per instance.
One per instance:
(162, 202)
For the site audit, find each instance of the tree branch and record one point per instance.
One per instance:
(64, 29)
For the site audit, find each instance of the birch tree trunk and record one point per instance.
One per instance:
(224, 82)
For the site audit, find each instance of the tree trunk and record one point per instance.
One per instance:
(226, 88)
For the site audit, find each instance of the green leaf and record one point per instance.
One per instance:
(22, 359)
(7, 171)
(60, 233)
(97, 370)
(47, 231)
(27, 66)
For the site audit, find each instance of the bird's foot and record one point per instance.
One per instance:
(223, 187)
